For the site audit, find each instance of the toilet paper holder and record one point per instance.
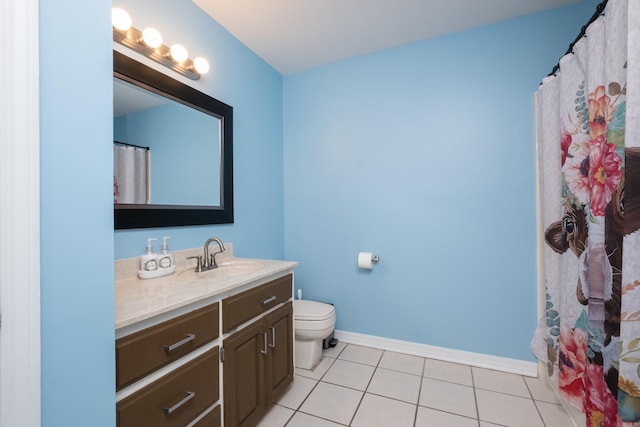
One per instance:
(367, 260)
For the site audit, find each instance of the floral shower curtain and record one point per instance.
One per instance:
(589, 155)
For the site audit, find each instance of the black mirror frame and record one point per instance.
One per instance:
(148, 216)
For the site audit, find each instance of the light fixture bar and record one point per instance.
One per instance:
(132, 38)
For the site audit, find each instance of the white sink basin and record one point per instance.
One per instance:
(237, 268)
(227, 269)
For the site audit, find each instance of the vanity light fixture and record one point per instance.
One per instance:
(152, 38)
(201, 65)
(149, 44)
(179, 53)
(120, 19)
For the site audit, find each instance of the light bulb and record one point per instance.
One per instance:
(152, 37)
(179, 53)
(120, 19)
(201, 65)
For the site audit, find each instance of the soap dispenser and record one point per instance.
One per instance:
(165, 259)
(149, 261)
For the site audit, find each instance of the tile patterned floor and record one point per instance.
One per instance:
(365, 387)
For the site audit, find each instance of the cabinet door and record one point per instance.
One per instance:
(279, 367)
(243, 367)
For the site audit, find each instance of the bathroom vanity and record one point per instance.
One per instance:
(203, 349)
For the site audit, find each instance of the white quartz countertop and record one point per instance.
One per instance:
(140, 299)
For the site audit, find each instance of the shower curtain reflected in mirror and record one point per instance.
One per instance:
(589, 157)
(131, 166)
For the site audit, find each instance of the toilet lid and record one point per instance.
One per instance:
(311, 310)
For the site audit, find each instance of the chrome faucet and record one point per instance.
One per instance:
(209, 261)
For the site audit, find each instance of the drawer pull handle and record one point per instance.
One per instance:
(190, 395)
(189, 338)
(272, 298)
(273, 337)
(264, 343)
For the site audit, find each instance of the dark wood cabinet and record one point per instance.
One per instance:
(146, 351)
(257, 367)
(176, 398)
(169, 367)
(246, 305)
(212, 419)
(279, 366)
(182, 393)
(243, 373)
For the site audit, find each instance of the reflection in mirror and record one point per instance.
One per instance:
(182, 142)
(131, 169)
(162, 149)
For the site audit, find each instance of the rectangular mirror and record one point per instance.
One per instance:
(146, 127)
(173, 151)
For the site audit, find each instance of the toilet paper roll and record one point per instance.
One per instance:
(366, 260)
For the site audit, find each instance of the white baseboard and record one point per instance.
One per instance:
(513, 366)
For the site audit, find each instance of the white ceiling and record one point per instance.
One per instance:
(128, 98)
(294, 35)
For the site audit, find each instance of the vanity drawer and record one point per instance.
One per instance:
(143, 352)
(239, 308)
(212, 419)
(175, 399)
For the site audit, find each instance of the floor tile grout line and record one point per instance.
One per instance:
(395, 399)
(475, 396)
(341, 351)
(290, 417)
(544, 423)
(321, 418)
(418, 405)
(449, 412)
(325, 373)
(415, 412)
(526, 384)
(506, 394)
(318, 381)
(295, 411)
(530, 398)
(398, 371)
(424, 359)
(364, 393)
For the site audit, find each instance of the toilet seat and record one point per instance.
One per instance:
(312, 310)
(310, 316)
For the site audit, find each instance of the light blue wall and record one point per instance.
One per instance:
(78, 242)
(254, 89)
(78, 368)
(424, 154)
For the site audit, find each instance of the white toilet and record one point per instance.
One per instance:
(312, 321)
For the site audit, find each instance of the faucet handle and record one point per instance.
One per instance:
(212, 261)
(198, 258)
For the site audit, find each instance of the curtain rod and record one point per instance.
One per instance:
(131, 145)
(599, 11)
